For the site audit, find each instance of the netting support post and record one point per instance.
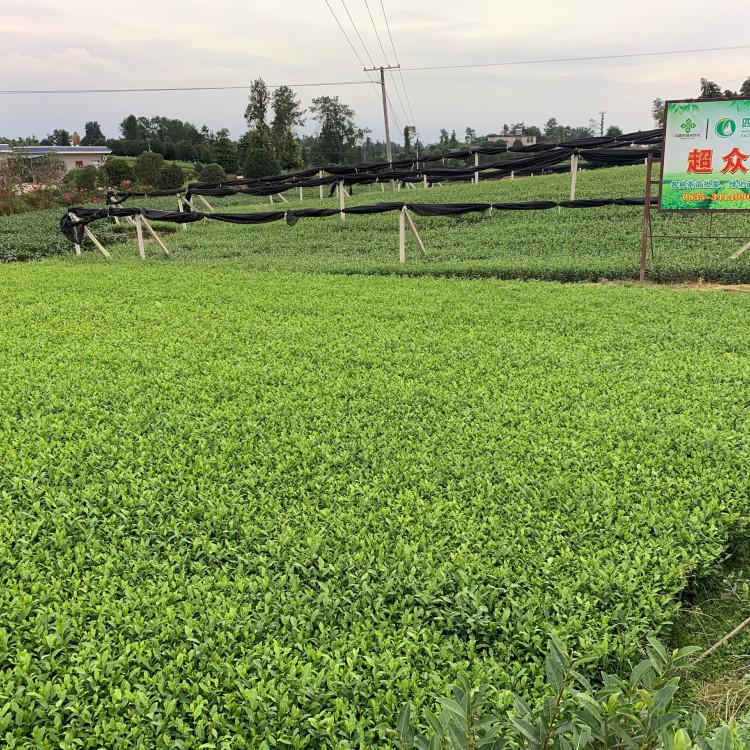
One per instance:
(139, 234)
(151, 231)
(573, 175)
(414, 231)
(402, 235)
(320, 176)
(181, 206)
(90, 235)
(342, 203)
(646, 217)
(208, 205)
(744, 248)
(476, 164)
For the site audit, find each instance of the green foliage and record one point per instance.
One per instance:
(86, 178)
(170, 177)
(115, 171)
(186, 151)
(93, 135)
(224, 152)
(709, 89)
(638, 713)
(337, 133)
(259, 163)
(212, 173)
(256, 111)
(244, 508)
(148, 165)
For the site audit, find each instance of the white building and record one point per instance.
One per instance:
(74, 157)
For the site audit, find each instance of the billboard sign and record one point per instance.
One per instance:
(706, 156)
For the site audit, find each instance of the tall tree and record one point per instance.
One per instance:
(709, 89)
(288, 112)
(657, 111)
(409, 131)
(92, 134)
(58, 137)
(471, 135)
(613, 131)
(338, 135)
(257, 106)
(745, 88)
(129, 128)
(224, 151)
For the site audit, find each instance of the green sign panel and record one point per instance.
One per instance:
(706, 156)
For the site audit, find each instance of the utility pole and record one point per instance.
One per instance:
(382, 70)
(601, 123)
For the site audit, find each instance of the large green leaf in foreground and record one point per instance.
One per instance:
(242, 509)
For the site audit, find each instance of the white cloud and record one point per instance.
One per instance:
(192, 43)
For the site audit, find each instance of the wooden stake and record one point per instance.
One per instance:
(720, 643)
(209, 206)
(646, 217)
(736, 255)
(96, 242)
(181, 206)
(573, 175)
(415, 232)
(424, 179)
(320, 175)
(283, 198)
(476, 164)
(402, 236)
(139, 233)
(342, 203)
(75, 218)
(90, 235)
(154, 235)
(300, 194)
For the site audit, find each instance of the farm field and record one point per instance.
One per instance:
(243, 507)
(558, 244)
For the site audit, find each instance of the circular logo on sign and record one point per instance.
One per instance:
(725, 127)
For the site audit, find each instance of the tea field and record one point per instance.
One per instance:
(257, 509)
(558, 244)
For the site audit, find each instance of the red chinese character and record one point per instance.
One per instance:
(699, 161)
(734, 161)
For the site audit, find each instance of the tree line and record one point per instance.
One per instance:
(708, 90)
(272, 144)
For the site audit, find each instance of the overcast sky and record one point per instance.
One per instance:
(51, 44)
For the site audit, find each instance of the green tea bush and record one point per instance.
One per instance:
(258, 510)
(638, 713)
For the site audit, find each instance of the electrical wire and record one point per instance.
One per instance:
(580, 59)
(401, 75)
(354, 26)
(382, 49)
(178, 88)
(346, 36)
(364, 67)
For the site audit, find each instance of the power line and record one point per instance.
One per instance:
(400, 101)
(385, 57)
(346, 36)
(178, 88)
(364, 67)
(579, 59)
(354, 26)
(401, 75)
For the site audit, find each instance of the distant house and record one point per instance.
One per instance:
(509, 138)
(74, 157)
